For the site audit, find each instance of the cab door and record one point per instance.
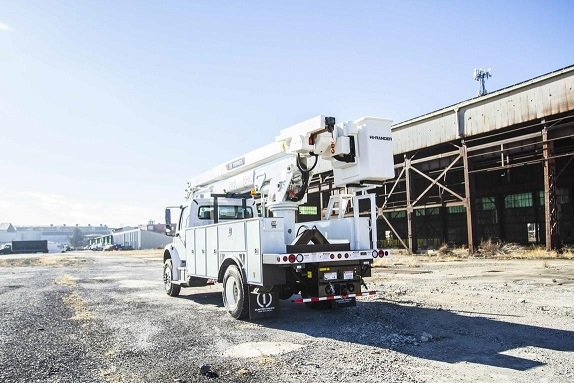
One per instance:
(179, 238)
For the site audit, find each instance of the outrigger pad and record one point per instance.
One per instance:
(264, 305)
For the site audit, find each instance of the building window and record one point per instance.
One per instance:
(518, 200)
(562, 196)
(396, 214)
(426, 211)
(486, 203)
(456, 209)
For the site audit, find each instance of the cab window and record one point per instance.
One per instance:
(226, 212)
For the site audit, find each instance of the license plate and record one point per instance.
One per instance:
(330, 276)
(348, 274)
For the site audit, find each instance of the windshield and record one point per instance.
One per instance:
(225, 212)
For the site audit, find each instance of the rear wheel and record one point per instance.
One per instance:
(170, 288)
(235, 293)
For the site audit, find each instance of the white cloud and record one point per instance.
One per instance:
(5, 27)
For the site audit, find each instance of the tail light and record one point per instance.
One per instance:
(381, 253)
(291, 258)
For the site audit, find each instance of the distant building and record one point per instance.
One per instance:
(139, 239)
(155, 227)
(8, 232)
(54, 233)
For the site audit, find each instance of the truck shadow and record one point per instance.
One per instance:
(427, 333)
(204, 295)
(423, 332)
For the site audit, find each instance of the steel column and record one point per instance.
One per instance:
(411, 240)
(550, 207)
(468, 187)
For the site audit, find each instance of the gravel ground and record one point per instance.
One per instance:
(104, 317)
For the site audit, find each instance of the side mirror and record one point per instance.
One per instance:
(168, 229)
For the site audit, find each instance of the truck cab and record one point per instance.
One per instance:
(202, 211)
(6, 249)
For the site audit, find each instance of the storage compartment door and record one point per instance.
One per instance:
(212, 256)
(200, 252)
(254, 257)
(190, 250)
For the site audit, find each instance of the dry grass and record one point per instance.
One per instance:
(501, 250)
(78, 305)
(65, 280)
(147, 254)
(74, 301)
(57, 260)
(412, 262)
(487, 249)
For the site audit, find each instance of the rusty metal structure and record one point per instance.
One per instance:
(496, 167)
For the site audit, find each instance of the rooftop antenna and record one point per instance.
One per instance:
(481, 75)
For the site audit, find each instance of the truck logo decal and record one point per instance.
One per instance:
(264, 300)
(235, 164)
(380, 138)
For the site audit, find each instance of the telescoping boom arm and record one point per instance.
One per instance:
(356, 151)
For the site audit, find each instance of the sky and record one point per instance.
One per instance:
(108, 107)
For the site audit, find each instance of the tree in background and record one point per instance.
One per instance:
(78, 239)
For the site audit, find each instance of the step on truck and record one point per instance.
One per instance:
(238, 224)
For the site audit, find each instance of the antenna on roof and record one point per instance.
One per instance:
(481, 75)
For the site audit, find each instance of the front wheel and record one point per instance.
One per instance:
(170, 288)
(235, 293)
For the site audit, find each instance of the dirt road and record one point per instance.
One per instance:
(98, 317)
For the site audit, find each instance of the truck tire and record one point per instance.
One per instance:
(235, 293)
(170, 288)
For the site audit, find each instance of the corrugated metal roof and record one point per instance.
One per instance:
(537, 98)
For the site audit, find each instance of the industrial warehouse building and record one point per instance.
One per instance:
(149, 236)
(135, 238)
(52, 233)
(497, 167)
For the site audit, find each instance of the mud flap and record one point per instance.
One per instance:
(263, 305)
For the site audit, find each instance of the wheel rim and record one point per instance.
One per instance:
(231, 292)
(167, 277)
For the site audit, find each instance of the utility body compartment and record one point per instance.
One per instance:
(207, 247)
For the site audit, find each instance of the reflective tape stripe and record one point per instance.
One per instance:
(330, 298)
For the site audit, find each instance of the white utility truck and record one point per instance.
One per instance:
(238, 223)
